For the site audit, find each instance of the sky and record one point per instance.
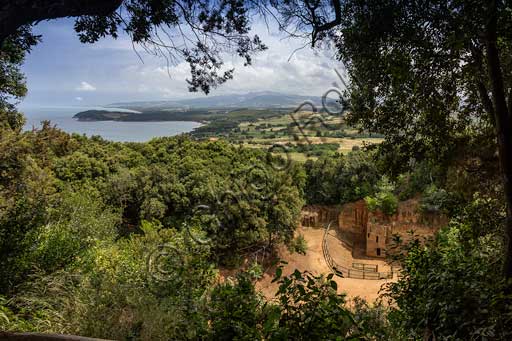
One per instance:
(62, 71)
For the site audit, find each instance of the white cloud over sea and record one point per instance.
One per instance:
(84, 86)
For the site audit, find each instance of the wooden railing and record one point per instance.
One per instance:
(43, 337)
(362, 271)
(336, 269)
(365, 267)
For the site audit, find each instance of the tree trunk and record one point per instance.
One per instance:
(503, 126)
(17, 13)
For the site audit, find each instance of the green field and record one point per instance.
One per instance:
(305, 135)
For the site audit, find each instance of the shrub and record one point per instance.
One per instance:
(234, 311)
(435, 200)
(147, 287)
(388, 202)
(372, 203)
(255, 270)
(373, 320)
(299, 245)
(384, 199)
(449, 288)
(311, 309)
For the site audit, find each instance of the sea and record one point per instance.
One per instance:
(62, 117)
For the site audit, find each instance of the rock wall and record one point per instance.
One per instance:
(352, 222)
(319, 215)
(373, 231)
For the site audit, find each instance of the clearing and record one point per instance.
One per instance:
(314, 262)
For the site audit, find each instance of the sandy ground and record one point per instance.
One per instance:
(314, 262)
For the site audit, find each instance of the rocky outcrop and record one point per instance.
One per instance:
(319, 215)
(371, 233)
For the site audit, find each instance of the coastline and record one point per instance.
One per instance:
(112, 130)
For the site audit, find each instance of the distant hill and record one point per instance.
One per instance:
(262, 99)
(148, 115)
(246, 107)
(198, 115)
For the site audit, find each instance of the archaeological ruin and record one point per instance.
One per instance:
(370, 233)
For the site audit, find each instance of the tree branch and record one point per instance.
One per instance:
(486, 101)
(495, 72)
(477, 55)
(327, 26)
(17, 13)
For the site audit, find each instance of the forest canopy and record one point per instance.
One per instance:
(84, 222)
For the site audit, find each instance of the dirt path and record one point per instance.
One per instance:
(314, 262)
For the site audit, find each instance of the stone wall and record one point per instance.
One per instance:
(377, 231)
(352, 222)
(407, 218)
(319, 215)
(373, 231)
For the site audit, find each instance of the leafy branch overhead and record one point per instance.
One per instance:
(199, 32)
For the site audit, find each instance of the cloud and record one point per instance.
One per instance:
(84, 86)
(284, 67)
(303, 74)
(79, 99)
(120, 76)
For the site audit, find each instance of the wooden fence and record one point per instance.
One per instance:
(360, 270)
(366, 267)
(43, 337)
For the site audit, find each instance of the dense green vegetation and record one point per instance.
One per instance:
(164, 180)
(90, 227)
(126, 241)
(262, 128)
(341, 179)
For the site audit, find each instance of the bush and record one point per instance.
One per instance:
(148, 287)
(235, 311)
(373, 320)
(384, 199)
(449, 288)
(435, 200)
(388, 202)
(311, 309)
(299, 245)
(255, 270)
(372, 203)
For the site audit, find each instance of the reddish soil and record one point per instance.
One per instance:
(315, 263)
